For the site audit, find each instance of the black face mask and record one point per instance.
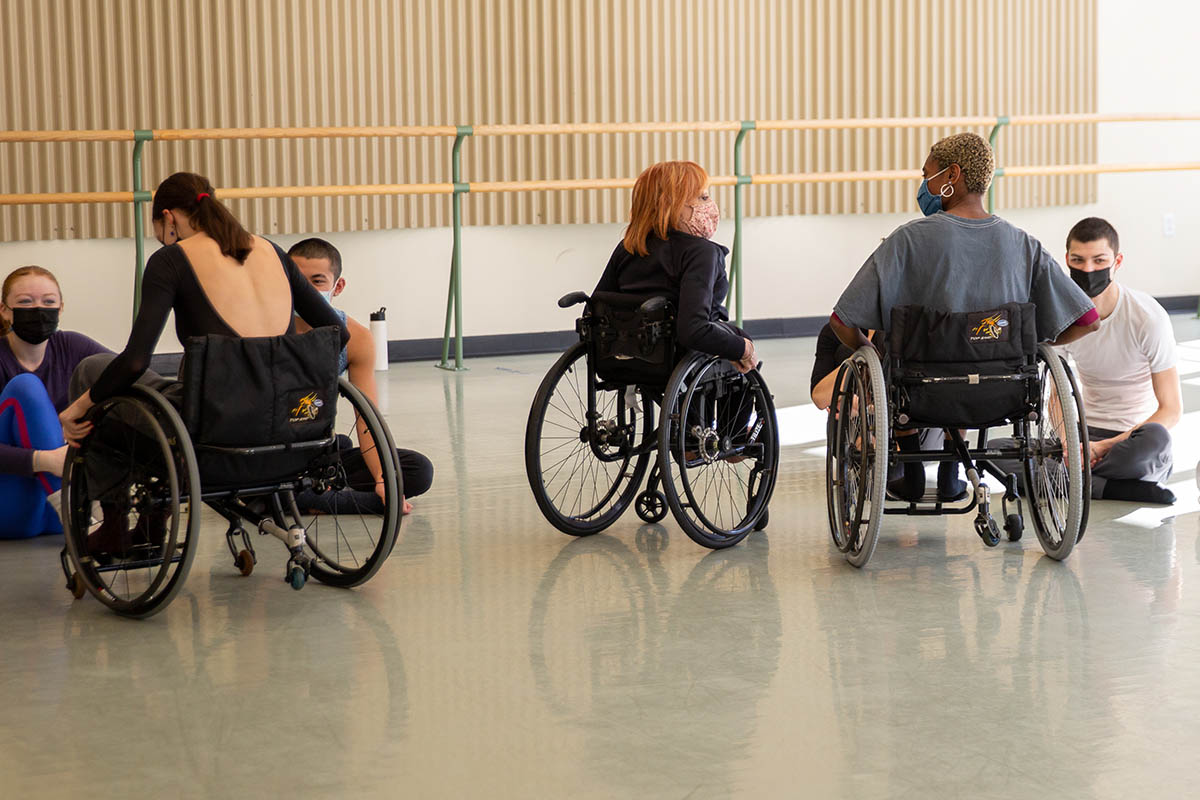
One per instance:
(1092, 283)
(34, 325)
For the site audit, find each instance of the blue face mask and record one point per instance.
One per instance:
(929, 202)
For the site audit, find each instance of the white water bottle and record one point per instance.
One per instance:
(379, 334)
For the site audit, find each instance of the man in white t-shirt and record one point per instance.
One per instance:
(1127, 371)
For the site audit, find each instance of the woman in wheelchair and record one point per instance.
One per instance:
(668, 250)
(956, 258)
(655, 333)
(260, 405)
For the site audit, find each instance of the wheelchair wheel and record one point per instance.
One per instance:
(129, 494)
(1054, 469)
(582, 481)
(718, 449)
(856, 456)
(352, 532)
(1084, 447)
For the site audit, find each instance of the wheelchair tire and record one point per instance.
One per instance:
(717, 492)
(140, 433)
(557, 422)
(1053, 478)
(1084, 446)
(344, 553)
(855, 476)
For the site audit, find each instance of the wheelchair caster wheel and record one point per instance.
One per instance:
(1015, 527)
(651, 506)
(244, 562)
(296, 578)
(988, 531)
(75, 586)
(762, 521)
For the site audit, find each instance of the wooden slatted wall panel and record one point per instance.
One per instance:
(262, 63)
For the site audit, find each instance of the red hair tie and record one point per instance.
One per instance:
(202, 195)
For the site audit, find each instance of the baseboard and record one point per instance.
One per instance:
(514, 344)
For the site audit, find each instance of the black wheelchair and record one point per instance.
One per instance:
(263, 421)
(591, 429)
(960, 371)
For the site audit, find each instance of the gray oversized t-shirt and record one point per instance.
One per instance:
(950, 263)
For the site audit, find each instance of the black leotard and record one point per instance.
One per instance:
(170, 283)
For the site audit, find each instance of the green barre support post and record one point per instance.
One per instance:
(454, 294)
(1000, 123)
(140, 198)
(735, 267)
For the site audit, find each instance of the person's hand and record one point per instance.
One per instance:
(51, 461)
(1099, 450)
(749, 359)
(75, 427)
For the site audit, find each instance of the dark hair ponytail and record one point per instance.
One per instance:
(193, 195)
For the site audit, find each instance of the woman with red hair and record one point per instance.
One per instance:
(667, 249)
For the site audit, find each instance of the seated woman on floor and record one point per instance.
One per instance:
(36, 362)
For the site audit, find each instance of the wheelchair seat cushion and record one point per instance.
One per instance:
(983, 346)
(259, 392)
(629, 346)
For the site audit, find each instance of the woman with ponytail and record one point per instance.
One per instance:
(36, 362)
(218, 278)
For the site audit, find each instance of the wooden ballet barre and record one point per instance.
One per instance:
(1096, 169)
(66, 136)
(343, 132)
(361, 190)
(64, 198)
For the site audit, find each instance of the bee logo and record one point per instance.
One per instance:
(307, 409)
(989, 328)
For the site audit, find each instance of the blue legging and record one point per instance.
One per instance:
(28, 419)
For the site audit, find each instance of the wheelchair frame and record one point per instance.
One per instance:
(695, 388)
(864, 407)
(269, 508)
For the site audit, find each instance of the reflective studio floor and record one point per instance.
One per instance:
(495, 657)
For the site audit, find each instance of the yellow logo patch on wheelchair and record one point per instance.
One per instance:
(988, 326)
(307, 408)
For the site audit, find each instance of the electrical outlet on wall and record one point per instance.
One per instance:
(1168, 224)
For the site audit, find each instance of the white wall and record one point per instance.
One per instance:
(795, 266)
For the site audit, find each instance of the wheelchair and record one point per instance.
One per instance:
(592, 431)
(957, 371)
(263, 420)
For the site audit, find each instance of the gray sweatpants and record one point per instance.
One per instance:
(1144, 456)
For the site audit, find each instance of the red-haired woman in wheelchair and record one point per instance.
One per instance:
(667, 249)
(218, 279)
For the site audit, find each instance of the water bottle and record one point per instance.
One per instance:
(379, 334)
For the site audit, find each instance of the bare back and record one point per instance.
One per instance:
(254, 298)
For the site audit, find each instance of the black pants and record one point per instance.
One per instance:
(416, 471)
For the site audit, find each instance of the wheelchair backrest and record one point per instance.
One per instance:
(962, 369)
(269, 393)
(628, 344)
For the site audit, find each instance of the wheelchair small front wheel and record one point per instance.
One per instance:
(651, 506)
(856, 456)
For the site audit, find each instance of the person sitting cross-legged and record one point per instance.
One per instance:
(321, 263)
(1127, 373)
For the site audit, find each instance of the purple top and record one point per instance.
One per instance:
(64, 351)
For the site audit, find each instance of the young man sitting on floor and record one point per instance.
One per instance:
(1127, 372)
(321, 263)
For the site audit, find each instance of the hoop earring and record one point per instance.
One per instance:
(945, 193)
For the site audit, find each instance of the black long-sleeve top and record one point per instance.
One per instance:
(170, 283)
(689, 270)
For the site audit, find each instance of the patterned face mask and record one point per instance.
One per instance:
(703, 222)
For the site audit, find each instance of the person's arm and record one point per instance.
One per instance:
(852, 337)
(1170, 410)
(1088, 323)
(360, 369)
(694, 328)
(159, 284)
